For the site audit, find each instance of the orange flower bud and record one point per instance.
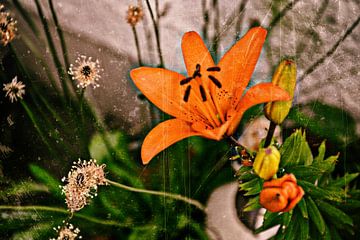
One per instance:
(281, 195)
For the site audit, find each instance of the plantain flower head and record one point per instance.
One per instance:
(86, 71)
(14, 90)
(134, 15)
(82, 183)
(7, 26)
(67, 232)
(210, 100)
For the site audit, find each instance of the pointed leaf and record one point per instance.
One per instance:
(252, 187)
(344, 181)
(253, 204)
(315, 215)
(303, 208)
(43, 176)
(321, 151)
(296, 150)
(292, 229)
(303, 226)
(338, 217)
(320, 193)
(270, 220)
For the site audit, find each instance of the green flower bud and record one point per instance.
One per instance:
(284, 77)
(266, 163)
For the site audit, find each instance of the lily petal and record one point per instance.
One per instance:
(164, 135)
(237, 66)
(162, 87)
(215, 134)
(260, 93)
(195, 52)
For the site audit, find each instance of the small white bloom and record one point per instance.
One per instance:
(14, 90)
(86, 71)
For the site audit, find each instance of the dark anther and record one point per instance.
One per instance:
(80, 179)
(187, 93)
(196, 74)
(203, 94)
(3, 27)
(86, 70)
(197, 67)
(185, 81)
(213, 69)
(215, 81)
(197, 71)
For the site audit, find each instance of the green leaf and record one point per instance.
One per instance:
(315, 215)
(43, 176)
(321, 151)
(270, 219)
(334, 234)
(309, 173)
(344, 181)
(108, 146)
(338, 217)
(287, 218)
(295, 150)
(253, 204)
(292, 229)
(149, 233)
(23, 188)
(303, 208)
(38, 231)
(326, 165)
(303, 226)
(327, 234)
(320, 193)
(252, 187)
(315, 170)
(245, 174)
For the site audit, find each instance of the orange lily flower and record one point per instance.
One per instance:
(210, 101)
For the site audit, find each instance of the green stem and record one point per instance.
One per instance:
(28, 19)
(157, 34)
(216, 38)
(58, 65)
(65, 212)
(35, 93)
(280, 15)
(82, 126)
(240, 17)
(62, 40)
(205, 15)
(36, 125)
(219, 165)
(179, 197)
(137, 45)
(270, 134)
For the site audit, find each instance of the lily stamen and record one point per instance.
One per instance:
(203, 94)
(215, 81)
(210, 111)
(186, 80)
(213, 69)
(187, 93)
